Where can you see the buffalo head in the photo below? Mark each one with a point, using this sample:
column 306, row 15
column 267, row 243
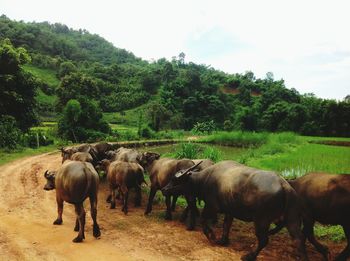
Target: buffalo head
column 67, row 153
column 50, row 180
column 178, row 182
column 146, row 158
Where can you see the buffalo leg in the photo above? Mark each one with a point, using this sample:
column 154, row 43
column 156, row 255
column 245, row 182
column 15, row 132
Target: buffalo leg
column 93, row 209
column 226, row 230
column 308, row 231
column 293, row 227
column 76, row 227
column 125, row 193
column 138, row 196
column 112, row 198
column 208, row 232
column 152, row 193
column 108, row 199
column 59, row 221
column 261, row 232
column 173, row 204
column 191, row 206
column 80, row 212
column 346, row 252
column 184, row 214
column 168, row 208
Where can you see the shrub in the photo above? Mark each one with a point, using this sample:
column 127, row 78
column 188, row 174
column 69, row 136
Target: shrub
column 146, row 132
column 187, row 150
column 204, row 127
column 212, row 153
column 34, row 139
column 9, row 132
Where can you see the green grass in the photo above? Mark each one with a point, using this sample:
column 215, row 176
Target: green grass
column 307, row 157
column 236, row 138
column 41, row 97
column 6, row 157
column 46, row 75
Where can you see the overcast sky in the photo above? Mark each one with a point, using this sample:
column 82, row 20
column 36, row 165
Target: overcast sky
column 307, row 43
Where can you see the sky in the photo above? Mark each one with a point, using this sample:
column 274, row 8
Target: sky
column 306, row 43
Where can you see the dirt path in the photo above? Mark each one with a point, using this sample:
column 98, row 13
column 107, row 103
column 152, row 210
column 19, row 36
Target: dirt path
column 27, row 233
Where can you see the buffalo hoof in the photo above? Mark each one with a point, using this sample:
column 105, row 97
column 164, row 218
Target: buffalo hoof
column 248, row 257
column 190, row 228
column 211, row 237
column 168, row 216
column 125, row 210
column 222, row 242
column 147, row 212
column 58, row 222
column 78, row 239
column 96, row 231
column 112, row 206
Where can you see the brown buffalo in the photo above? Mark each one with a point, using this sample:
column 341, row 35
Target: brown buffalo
column 244, row 193
column 74, row 182
column 160, row 172
column 67, row 152
column 124, row 154
column 82, row 156
column 326, row 199
column 124, row 176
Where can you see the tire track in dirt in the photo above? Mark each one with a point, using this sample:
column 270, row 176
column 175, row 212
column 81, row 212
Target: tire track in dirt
column 27, row 233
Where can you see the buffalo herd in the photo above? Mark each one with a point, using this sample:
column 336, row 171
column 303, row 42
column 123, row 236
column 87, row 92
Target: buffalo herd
column 227, row 187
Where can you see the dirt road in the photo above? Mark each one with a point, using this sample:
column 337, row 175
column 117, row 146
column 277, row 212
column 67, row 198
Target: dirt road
column 27, row 233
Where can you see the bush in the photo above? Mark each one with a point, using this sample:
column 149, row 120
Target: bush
column 212, row 153
column 9, row 132
column 187, row 150
column 146, row 132
column 34, row 138
column 204, row 127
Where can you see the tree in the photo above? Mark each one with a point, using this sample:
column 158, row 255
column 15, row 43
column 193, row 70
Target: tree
column 82, row 121
column 66, row 68
column 77, row 86
column 17, row 88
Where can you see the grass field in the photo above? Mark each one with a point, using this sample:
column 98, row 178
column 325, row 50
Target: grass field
column 46, row 75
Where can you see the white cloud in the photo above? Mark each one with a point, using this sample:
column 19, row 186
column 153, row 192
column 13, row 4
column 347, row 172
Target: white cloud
column 304, row 42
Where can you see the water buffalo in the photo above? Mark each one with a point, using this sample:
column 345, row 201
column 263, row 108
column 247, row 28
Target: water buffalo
column 201, row 164
column 325, row 199
column 82, row 156
column 99, row 151
column 67, row 153
column 241, row 192
column 124, row 176
column 74, row 182
column 160, row 172
column 204, row 163
column 124, row 154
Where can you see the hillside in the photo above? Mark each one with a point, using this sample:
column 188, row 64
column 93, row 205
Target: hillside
column 75, row 64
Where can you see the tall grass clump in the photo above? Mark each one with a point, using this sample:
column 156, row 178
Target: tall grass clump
column 211, row 153
column 187, row 150
column 237, row 139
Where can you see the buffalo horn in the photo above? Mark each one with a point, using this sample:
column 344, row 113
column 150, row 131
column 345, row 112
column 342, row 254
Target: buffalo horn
column 179, row 174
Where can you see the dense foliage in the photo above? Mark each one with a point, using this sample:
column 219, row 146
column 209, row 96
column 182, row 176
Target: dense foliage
column 173, row 94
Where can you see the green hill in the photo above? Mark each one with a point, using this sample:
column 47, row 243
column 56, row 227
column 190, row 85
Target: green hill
column 75, row 64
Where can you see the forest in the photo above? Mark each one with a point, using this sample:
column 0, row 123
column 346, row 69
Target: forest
column 51, row 73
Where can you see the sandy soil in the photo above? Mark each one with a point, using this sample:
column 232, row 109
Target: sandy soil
column 27, row 233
